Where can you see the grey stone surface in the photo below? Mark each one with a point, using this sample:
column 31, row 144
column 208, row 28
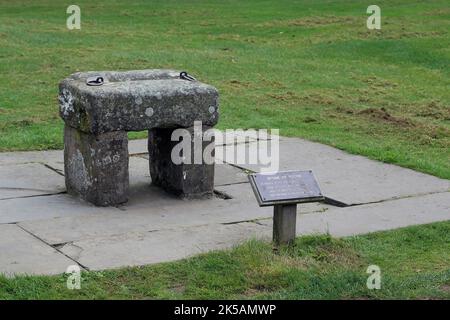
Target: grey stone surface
column 225, row 174
column 193, row 178
column 151, row 209
column 136, row 100
column 23, row 157
column 138, row 146
column 47, row 207
column 29, row 179
column 22, row 253
column 96, row 166
column 381, row 216
column 136, row 248
column 133, row 245
column 151, row 247
column 139, row 174
column 242, row 194
column 155, row 226
column 350, row 179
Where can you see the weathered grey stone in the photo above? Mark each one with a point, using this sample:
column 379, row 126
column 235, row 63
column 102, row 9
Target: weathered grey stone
column 22, row 253
column 98, row 116
column 28, row 179
column 151, row 247
column 375, row 217
column 136, row 100
column 347, row 178
column 138, row 146
column 20, row 157
column 226, row 174
column 47, row 207
column 188, row 179
column 96, row 166
column 132, row 233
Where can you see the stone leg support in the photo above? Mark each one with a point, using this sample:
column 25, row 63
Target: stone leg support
column 96, row 166
column 284, row 223
column 192, row 179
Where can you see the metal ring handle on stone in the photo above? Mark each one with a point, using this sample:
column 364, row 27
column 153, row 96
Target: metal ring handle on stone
column 185, row 76
column 95, row 81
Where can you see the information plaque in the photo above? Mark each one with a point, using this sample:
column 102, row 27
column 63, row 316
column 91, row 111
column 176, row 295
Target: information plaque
column 285, row 187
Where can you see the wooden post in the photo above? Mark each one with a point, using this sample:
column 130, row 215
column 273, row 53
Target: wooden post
column 284, row 223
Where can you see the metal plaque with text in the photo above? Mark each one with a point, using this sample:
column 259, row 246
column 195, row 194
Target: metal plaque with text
column 285, row 187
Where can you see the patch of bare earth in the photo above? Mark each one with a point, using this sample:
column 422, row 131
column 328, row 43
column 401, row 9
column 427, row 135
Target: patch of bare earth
column 311, row 21
column 445, row 288
column 435, row 110
column 381, row 114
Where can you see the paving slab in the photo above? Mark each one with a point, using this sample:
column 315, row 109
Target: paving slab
column 151, row 246
column 152, row 210
column 134, row 249
column 20, row 157
column 155, row 226
column 140, row 146
column 347, row 178
column 22, row 253
column 46, row 207
column 139, row 218
column 225, row 174
column 29, row 179
column 137, row 248
column 137, row 146
column 139, row 173
column 377, row 217
column 242, row 196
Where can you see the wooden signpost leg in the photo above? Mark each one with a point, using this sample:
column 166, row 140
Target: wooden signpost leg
column 284, row 222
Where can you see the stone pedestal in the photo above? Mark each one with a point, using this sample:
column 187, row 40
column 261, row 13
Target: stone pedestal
column 96, row 166
column 97, row 119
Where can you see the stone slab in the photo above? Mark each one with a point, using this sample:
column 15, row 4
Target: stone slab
column 108, row 230
column 29, row 179
column 224, row 174
column 347, row 178
column 152, row 209
column 140, row 219
column 21, row 253
column 243, row 195
column 137, row 146
column 135, row 249
column 139, row 174
column 46, row 207
column 378, row 216
column 136, row 100
column 21, row 157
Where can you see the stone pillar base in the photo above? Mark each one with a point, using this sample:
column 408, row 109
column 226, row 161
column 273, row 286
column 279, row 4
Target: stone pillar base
column 185, row 180
column 96, row 166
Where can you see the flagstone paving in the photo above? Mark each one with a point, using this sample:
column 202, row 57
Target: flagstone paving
column 43, row 230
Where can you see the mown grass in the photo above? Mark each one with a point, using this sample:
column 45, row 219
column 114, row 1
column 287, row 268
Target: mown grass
column 414, row 263
column 310, row 68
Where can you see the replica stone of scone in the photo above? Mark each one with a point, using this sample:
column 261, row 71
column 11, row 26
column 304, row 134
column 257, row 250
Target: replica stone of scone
column 136, row 100
column 98, row 109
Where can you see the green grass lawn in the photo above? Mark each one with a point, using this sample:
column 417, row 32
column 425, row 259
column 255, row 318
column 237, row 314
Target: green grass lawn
column 414, row 263
column 310, row 68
